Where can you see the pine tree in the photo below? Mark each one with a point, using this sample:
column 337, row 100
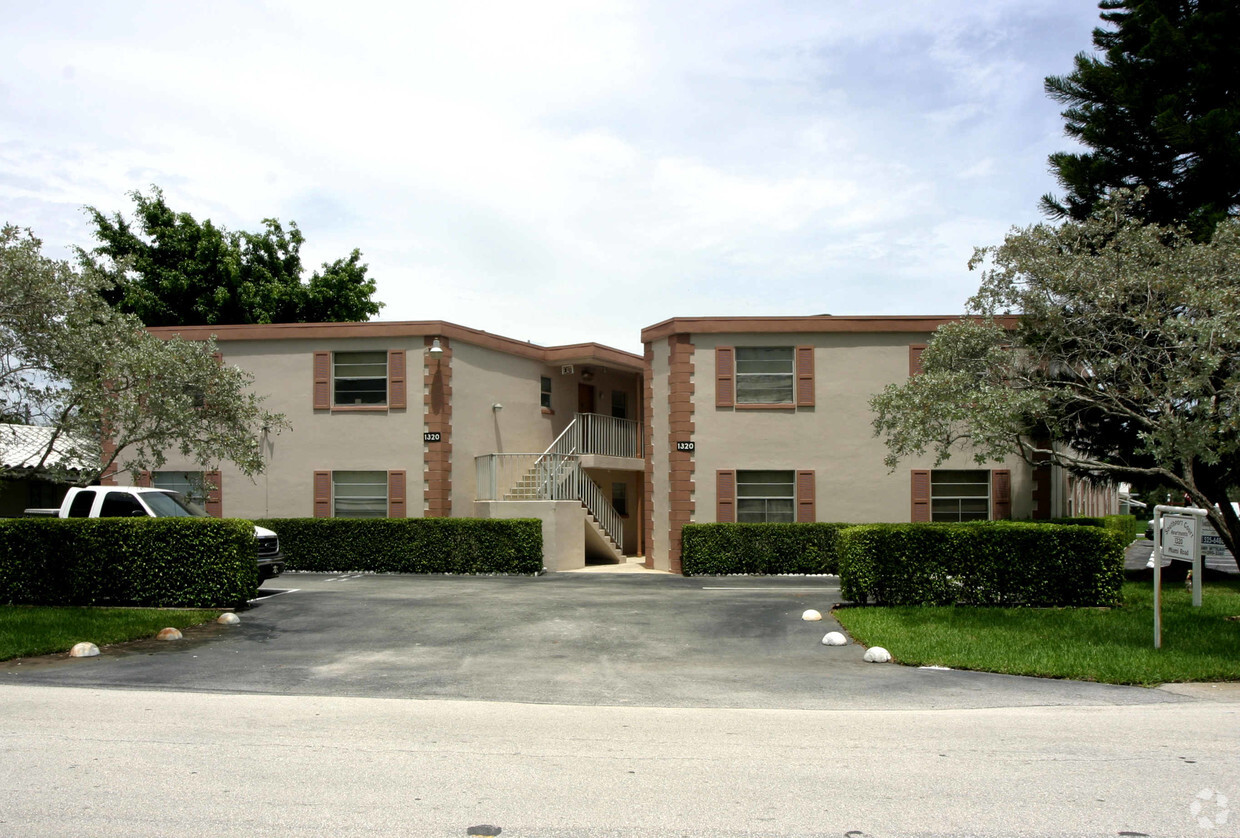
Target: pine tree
column 1158, row 107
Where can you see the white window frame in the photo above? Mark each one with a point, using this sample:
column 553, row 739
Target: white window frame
column 751, row 383
column 747, row 499
column 945, row 495
column 343, row 361
column 345, row 486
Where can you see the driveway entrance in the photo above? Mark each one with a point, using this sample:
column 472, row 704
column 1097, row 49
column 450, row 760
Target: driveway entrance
column 584, row 639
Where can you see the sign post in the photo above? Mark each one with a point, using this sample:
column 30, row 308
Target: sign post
column 1175, row 535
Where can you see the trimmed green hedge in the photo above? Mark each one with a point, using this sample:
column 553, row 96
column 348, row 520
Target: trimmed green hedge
column 410, row 545
column 152, row 562
column 1126, row 525
column 999, row 563
column 720, row 549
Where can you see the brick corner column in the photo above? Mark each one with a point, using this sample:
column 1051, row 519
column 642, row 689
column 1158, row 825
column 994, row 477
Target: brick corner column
column 437, row 456
column 680, row 427
column 647, row 547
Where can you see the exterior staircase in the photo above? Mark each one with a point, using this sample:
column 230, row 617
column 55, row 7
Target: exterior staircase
column 557, row 474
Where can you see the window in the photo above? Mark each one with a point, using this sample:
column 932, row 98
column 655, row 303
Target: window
column 82, row 502
column 359, row 494
column 545, row 392
column 191, row 484
column 360, row 378
column 765, row 375
column 619, row 404
column 620, row 498
column 959, row 495
column 765, row 497
column 120, row 505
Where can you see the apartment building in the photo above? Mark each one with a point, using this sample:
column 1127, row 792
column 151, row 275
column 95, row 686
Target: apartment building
column 723, row 419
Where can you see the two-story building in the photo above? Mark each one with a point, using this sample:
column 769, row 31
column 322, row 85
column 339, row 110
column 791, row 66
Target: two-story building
column 723, row 419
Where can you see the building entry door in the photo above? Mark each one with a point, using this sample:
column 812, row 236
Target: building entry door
column 585, row 398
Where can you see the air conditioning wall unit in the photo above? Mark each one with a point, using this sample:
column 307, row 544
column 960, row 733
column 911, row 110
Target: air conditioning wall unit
column 567, row 369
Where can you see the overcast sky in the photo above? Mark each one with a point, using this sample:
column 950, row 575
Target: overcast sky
column 558, row 171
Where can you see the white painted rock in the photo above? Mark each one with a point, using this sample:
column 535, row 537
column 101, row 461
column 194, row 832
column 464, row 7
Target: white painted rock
column 811, row 616
column 168, row 634
column 228, row 619
column 84, row 650
column 877, row 654
column 834, row 638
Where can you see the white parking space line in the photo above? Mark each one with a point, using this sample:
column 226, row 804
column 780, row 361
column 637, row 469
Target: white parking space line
column 343, row 578
column 276, row 593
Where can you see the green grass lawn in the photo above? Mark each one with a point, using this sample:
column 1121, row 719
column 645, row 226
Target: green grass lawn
column 1110, row 645
column 32, row 630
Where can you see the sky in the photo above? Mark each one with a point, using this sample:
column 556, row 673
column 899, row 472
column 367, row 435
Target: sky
column 558, row 172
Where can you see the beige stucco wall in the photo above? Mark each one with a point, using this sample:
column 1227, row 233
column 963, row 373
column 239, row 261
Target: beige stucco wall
column 319, row 440
column 834, row 437
column 563, row 528
column 659, row 459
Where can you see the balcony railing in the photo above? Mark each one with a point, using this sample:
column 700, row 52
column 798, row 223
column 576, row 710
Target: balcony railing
column 608, row 436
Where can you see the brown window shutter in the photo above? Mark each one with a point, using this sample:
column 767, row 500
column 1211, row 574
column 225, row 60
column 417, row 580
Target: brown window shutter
column 144, row 478
column 396, row 494
column 725, row 376
column 396, row 379
column 921, row 496
column 322, row 494
column 219, row 357
column 215, row 494
column 725, row 497
column 914, row 359
column 805, row 376
column 322, row 380
column 1001, row 494
column 805, row 498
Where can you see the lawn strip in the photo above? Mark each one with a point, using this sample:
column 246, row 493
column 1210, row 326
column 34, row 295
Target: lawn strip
column 26, row 631
column 1113, row 645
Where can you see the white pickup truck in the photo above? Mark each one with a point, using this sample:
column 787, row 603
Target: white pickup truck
column 144, row 502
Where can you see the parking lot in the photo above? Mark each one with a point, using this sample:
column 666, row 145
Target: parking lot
column 583, row 639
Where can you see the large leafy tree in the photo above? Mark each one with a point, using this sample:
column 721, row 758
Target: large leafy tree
column 1125, row 351
column 182, row 272
column 1157, row 107
column 113, row 395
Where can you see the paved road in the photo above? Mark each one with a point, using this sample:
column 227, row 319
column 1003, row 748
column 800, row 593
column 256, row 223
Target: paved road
column 128, row 764
column 655, row 641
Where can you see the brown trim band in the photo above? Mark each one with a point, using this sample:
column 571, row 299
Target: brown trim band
column 806, row 325
column 595, row 353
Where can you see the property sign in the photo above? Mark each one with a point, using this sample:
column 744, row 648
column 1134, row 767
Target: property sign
column 1179, row 537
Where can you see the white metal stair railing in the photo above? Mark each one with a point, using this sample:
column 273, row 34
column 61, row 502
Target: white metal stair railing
column 556, row 474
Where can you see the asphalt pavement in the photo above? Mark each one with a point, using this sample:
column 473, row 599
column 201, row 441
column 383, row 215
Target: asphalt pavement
column 571, row 639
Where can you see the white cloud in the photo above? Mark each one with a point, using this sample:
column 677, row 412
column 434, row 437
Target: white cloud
column 558, row 171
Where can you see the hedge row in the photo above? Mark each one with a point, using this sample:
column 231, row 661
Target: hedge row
column 720, row 549
column 1125, row 525
column 998, row 563
column 410, row 545
column 152, row 562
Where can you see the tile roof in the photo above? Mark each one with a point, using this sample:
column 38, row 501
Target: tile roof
column 22, row 446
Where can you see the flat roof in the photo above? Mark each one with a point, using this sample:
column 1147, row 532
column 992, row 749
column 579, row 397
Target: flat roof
column 806, row 324
column 571, row 353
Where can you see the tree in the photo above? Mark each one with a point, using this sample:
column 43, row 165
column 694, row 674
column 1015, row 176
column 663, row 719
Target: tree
column 182, row 272
column 114, row 395
column 1126, row 353
column 1159, row 109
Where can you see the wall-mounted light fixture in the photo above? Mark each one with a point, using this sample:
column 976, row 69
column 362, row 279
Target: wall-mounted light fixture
column 497, row 406
column 436, row 350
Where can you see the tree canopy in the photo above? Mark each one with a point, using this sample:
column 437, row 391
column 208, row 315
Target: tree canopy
column 182, row 272
column 114, row 395
column 1159, row 108
column 1126, row 353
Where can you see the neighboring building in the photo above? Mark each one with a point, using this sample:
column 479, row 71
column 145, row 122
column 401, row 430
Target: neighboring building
column 37, row 462
column 724, row 419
